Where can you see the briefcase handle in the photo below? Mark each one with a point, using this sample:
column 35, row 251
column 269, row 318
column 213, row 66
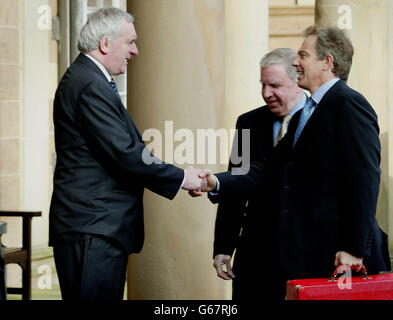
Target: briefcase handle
column 335, row 273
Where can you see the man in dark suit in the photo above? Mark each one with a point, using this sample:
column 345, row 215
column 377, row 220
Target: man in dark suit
column 326, row 168
column 96, row 212
column 267, row 126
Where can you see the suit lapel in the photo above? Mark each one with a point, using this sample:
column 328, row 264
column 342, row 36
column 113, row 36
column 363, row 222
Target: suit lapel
column 292, row 127
column 266, row 129
column 86, row 62
column 319, row 116
column 263, row 138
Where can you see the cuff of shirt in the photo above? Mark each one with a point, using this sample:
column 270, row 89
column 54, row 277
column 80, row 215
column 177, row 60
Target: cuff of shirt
column 215, row 191
column 184, row 180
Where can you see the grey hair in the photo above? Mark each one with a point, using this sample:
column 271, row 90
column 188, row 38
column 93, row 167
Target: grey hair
column 105, row 22
column 284, row 56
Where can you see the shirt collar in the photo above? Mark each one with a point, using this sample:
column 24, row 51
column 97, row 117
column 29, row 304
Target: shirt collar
column 101, row 66
column 318, row 95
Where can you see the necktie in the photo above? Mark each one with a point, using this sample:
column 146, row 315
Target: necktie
column 284, row 128
column 114, row 87
column 306, row 112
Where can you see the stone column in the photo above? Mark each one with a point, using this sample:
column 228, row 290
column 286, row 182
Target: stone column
column 246, row 42
column 78, row 12
column 28, row 79
column 194, row 55
column 39, row 75
column 367, row 23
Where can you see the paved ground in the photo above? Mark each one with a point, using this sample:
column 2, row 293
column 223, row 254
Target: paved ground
column 45, row 285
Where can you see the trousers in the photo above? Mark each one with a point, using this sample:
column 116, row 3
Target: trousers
column 91, row 269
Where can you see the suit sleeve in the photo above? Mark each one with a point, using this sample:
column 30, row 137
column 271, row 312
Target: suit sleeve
column 259, row 175
column 105, row 129
column 359, row 174
column 229, row 214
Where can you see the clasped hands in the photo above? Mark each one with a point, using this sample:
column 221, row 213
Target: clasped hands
column 198, row 181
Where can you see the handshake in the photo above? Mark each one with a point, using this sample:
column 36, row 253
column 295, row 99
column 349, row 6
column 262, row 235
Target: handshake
column 198, row 181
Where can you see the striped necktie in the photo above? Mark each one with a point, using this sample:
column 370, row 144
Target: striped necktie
column 305, row 115
column 284, row 128
column 114, row 87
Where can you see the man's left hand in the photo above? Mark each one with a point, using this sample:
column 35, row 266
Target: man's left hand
column 345, row 258
column 209, row 183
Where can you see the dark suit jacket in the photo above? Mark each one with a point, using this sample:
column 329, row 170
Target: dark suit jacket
column 328, row 187
column 234, row 215
column 100, row 174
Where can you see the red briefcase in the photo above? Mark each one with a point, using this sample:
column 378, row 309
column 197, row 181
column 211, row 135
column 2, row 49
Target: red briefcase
column 345, row 287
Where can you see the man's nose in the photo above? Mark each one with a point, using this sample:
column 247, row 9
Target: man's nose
column 134, row 50
column 267, row 92
column 295, row 62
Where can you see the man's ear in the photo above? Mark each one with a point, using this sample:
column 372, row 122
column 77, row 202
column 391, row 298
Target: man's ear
column 104, row 45
column 329, row 62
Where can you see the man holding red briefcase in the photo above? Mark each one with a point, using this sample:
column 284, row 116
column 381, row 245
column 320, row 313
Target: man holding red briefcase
column 326, row 171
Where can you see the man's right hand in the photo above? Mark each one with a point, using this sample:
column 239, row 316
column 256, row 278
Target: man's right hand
column 209, row 183
column 219, row 261
column 345, row 258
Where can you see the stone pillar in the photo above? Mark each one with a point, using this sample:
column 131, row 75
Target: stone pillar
column 367, row 23
column 28, row 79
column 78, row 12
column 39, row 54
column 246, row 42
column 193, row 55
